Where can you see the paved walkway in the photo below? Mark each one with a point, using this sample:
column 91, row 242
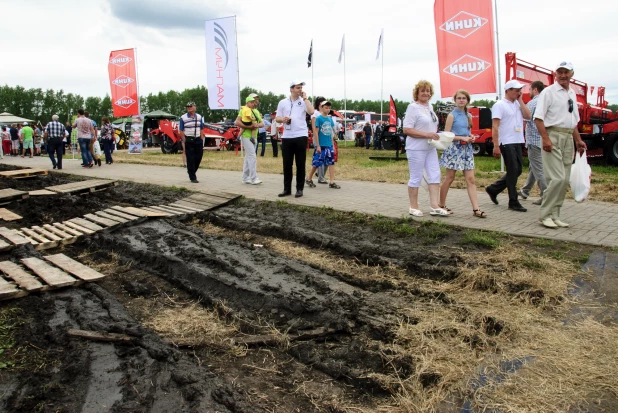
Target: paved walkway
column 591, row 222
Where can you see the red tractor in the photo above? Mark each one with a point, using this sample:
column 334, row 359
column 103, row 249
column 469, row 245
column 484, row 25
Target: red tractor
column 217, row 137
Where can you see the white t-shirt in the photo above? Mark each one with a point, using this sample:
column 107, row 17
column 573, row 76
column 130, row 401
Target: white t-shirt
column 297, row 110
column 419, row 117
column 553, row 107
column 511, row 129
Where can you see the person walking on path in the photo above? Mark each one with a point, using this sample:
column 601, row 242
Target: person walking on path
column 321, row 169
column 107, row 138
column 274, row 137
column 85, row 131
column 6, row 142
column 94, row 136
column 420, row 125
column 27, row 138
column 191, row 130
column 508, row 117
column 556, row 117
column 459, row 156
column 54, row 135
column 377, row 136
column 14, row 140
column 249, row 120
column 324, row 135
column 367, row 131
column 533, row 144
column 292, row 113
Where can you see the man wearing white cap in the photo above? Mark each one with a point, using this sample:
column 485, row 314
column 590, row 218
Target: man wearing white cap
column 292, row 113
column 508, row 117
column 556, row 117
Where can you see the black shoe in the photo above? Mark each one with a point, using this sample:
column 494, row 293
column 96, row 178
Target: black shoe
column 492, row 196
column 195, row 181
column 517, row 207
column 285, row 193
column 299, row 193
column 54, row 166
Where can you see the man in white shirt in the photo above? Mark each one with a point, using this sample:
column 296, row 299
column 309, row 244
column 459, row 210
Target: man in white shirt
column 292, row 113
column 556, row 117
column 508, row 117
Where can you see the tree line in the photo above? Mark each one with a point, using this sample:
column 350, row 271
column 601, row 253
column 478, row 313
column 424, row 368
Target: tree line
column 40, row 105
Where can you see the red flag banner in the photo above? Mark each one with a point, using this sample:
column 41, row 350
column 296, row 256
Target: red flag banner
column 465, row 39
column 392, row 118
column 123, row 82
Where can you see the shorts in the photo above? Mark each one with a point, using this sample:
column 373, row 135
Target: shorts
column 28, row 144
column 327, row 157
column 15, row 144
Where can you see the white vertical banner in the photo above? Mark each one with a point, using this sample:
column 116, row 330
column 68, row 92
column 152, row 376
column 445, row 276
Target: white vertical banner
column 222, row 64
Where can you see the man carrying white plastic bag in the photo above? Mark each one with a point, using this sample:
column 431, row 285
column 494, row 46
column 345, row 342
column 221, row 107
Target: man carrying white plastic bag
column 580, row 178
column 556, row 117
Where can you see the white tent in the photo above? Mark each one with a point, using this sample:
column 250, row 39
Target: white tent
column 6, row 118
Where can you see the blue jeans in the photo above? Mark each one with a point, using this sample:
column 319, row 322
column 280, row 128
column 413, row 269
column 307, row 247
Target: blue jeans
column 261, row 138
column 84, row 148
column 108, row 147
column 54, row 147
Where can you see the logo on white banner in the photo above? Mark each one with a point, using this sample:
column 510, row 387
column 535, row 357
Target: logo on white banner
column 124, row 102
column 120, row 60
column 123, row 81
column 463, row 24
column 467, row 67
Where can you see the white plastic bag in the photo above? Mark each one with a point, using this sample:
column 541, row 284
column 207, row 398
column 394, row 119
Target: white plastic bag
column 446, row 138
column 580, row 178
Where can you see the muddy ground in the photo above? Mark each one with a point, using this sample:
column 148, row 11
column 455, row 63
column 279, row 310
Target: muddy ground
column 288, row 334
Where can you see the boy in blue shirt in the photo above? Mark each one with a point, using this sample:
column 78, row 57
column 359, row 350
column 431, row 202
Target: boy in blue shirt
column 323, row 155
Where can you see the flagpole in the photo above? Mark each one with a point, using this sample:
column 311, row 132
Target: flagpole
column 242, row 147
column 382, row 86
column 499, row 65
column 345, row 98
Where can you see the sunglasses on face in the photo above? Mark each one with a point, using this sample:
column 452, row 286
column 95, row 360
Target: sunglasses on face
column 570, row 105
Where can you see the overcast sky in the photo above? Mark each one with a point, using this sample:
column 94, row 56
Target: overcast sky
column 66, row 44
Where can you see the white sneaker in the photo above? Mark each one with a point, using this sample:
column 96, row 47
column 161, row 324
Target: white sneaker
column 549, row 223
column 560, row 223
column 256, row 182
column 246, row 182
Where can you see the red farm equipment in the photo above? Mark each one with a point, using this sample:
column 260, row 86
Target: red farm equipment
column 217, row 137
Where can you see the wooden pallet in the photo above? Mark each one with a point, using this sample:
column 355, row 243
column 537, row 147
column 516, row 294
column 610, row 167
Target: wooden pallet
column 23, row 173
column 91, row 185
column 56, row 271
column 8, row 195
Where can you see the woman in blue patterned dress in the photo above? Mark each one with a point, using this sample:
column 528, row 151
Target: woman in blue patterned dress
column 458, row 156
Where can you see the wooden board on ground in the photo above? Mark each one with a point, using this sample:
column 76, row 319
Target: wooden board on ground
column 200, row 203
column 212, row 199
column 5, row 245
column 68, row 229
column 13, row 237
column 22, row 278
column 73, row 267
column 111, row 217
column 90, row 185
column 67, row 237
column 195, row 207
column 47, row 234
column 141, row 212
column 166, row 208
column 23, row 173
column 154, row 210
column 181, row 208
column 77, row 227
column 40, row 192
column 51, row 275
column 220, row 194
column 7, row 215
column 7, row 195
column 9, row 290
column 106, row 223
column 129, row 217
column 43, row 242
column 86, row 224
column 29, row 239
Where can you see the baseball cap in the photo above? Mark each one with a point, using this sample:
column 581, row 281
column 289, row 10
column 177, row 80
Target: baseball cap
column 566, row 65
column 190, row 104
column 325, row 103
column 295, row 82
column 254, row 95
column 25, row 123
column 249, row 99
column 513, row 84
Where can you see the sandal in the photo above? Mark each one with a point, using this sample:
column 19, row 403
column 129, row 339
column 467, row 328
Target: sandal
column 478, row 213
column 334, row 186
column 310, row 183
column 447, row 209
column 438, row 211
column 416, row 212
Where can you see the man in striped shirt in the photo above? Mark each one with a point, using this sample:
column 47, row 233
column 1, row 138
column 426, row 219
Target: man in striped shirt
column 192, row 134
column 54, row 134
column 533, row 144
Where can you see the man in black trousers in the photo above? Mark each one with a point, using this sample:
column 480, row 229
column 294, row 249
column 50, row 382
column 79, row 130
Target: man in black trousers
column 292, row 113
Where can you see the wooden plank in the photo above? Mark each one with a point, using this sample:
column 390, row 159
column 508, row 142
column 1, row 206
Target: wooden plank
column 30, row 240
column 89, row 186
column 142, row 212
column 12, row 194
column 40, row 192
column 155, row 210
column 47, row 234
column 7, row 215
column 5, row 245
column 86, row 224
column 177, row 211
column 51, row 275
column 100, row 336
column 124, row 215
column 14, row 238
column 74, row 267
column 22, row 173
column 66, row 237
column 106, row 223
column 78, row 227
column 111, row 217
column 9, row 290
column 205, row 204
column 22, row 278
column 195, row 207
column 69, row 229
column 181, row 208
column 220, row 194
column 35, row 236
column 208, row 198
